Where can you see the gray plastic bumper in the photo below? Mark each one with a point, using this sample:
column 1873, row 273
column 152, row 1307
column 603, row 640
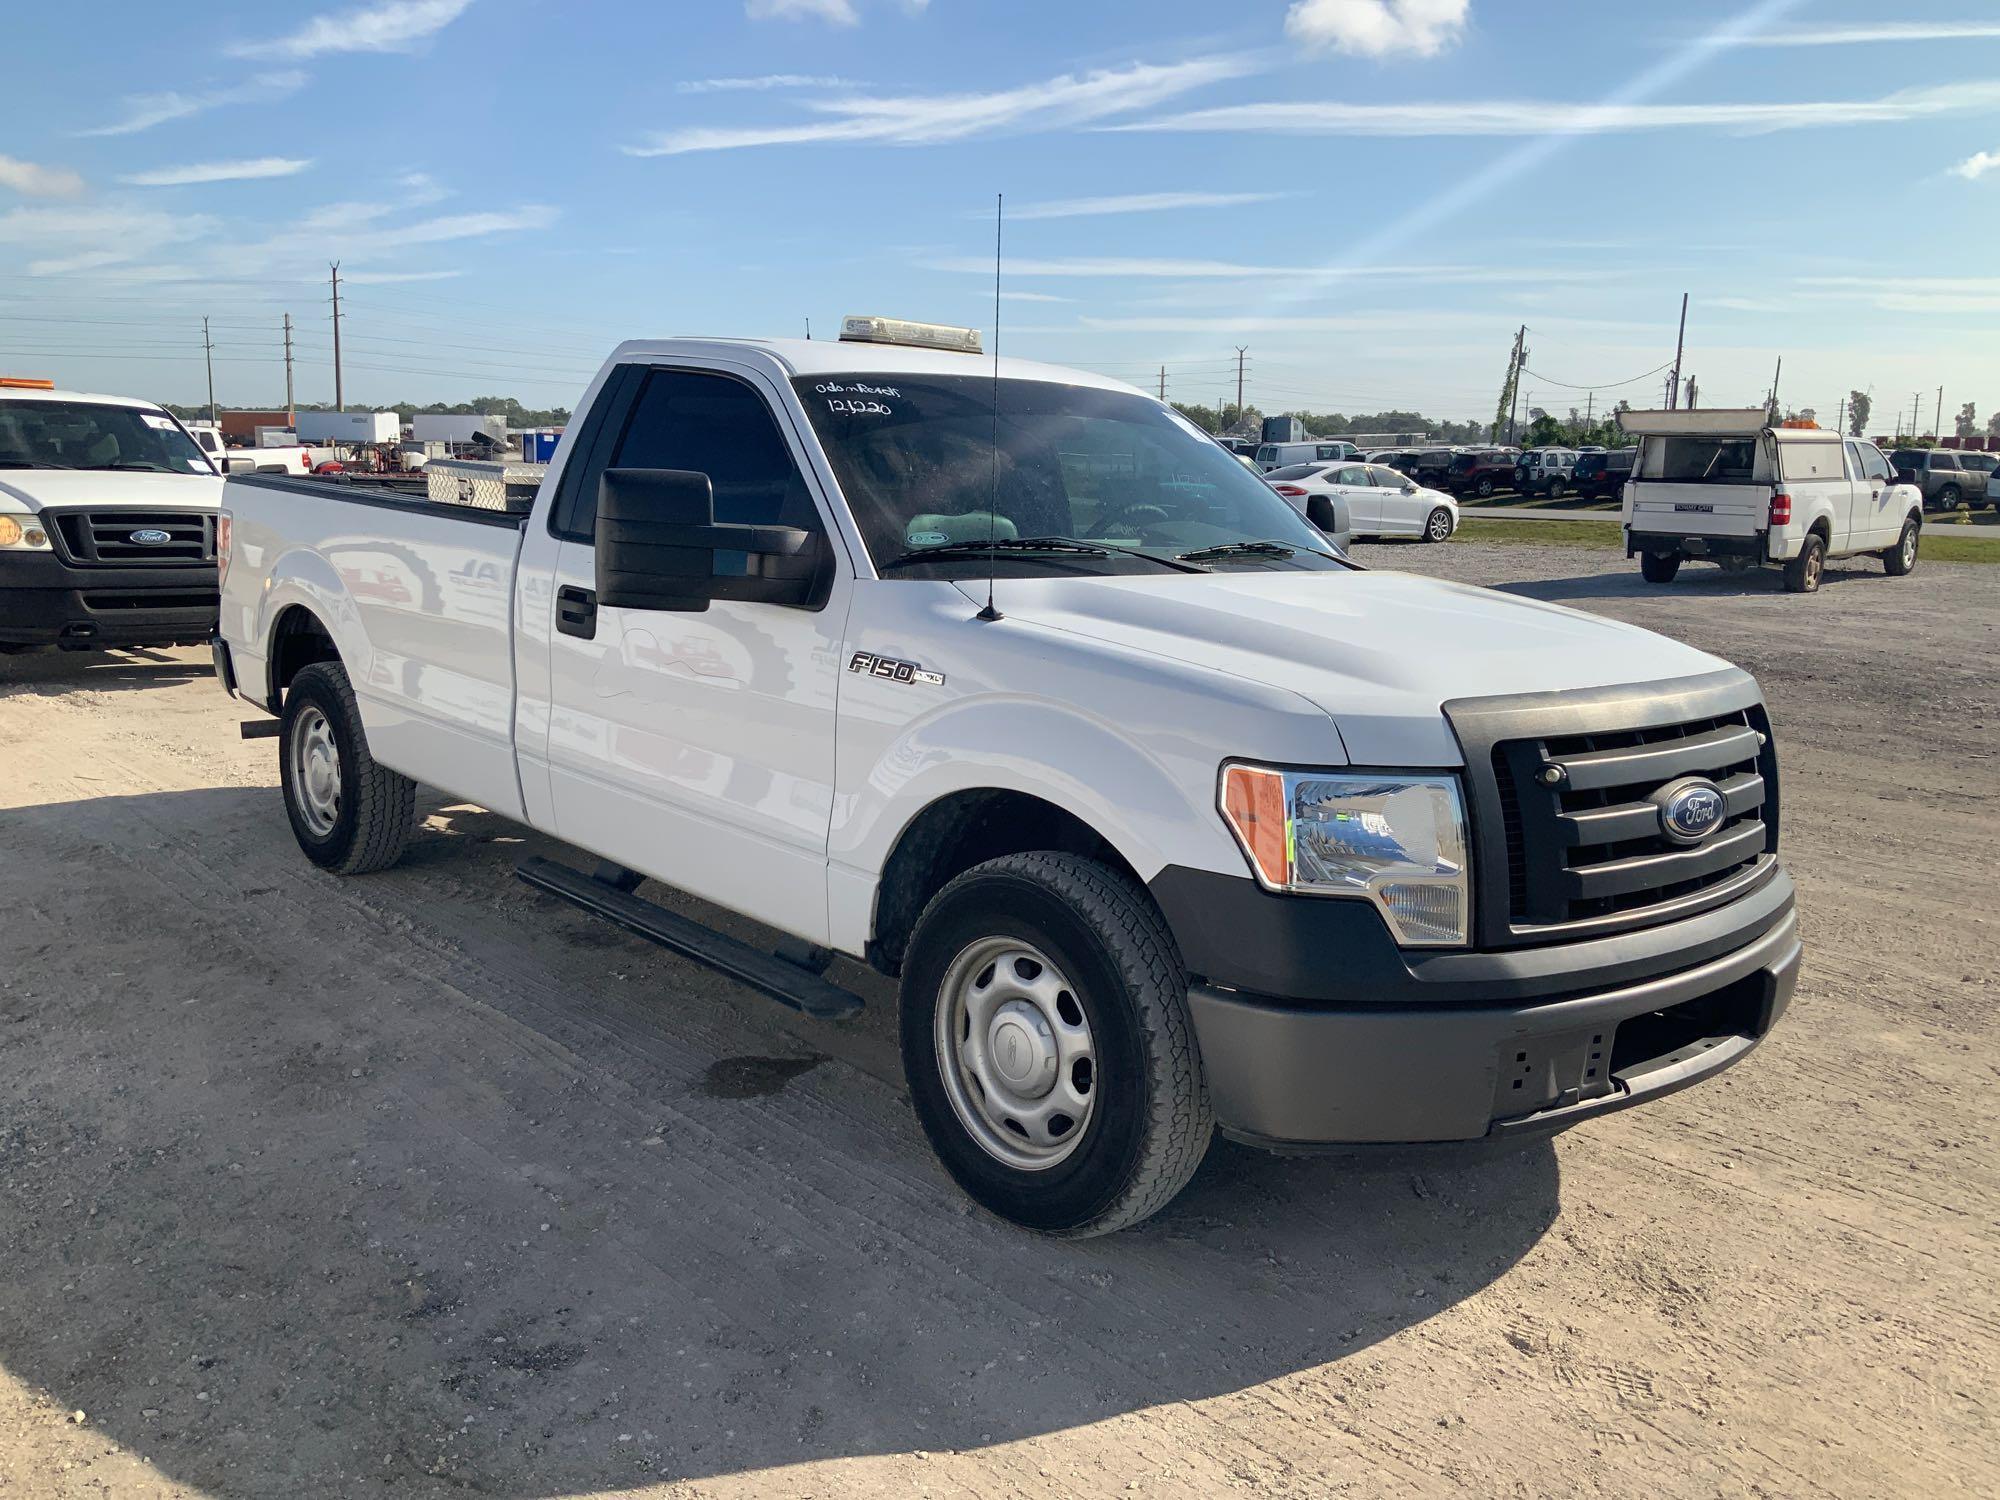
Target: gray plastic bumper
column 1288, row 1077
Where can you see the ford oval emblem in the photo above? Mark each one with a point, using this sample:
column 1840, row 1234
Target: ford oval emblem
column 1690, row 810
column 152, row 536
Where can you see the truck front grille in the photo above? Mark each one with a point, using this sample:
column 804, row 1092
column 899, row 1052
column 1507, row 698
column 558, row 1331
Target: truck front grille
column 1566, row 800
column 1592, row 846
column 104, row 539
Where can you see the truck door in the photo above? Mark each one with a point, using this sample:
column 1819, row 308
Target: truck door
column 698, row 747
column 1874, row 496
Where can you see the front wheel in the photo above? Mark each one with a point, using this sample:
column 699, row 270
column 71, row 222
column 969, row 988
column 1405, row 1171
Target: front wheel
column 1901, row 559
column 1048, row 1046
column 1803, row 573
column 1438, row 527
column 1659, row 567
column 350, row 815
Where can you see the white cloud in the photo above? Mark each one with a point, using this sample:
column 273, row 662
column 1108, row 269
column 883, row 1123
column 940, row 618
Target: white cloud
column 393, row 26
column 1129, row 266
column 92, row 238
column 1909, row 294
column 1032, row 297
column 1876, row 34
column 218, row 171
column 1535, row 117
column 1378, row 28
column 389, row 278
column 763, row 84
column 420, row 189
column 1978, row 165
column 144, row 111
column 1134, row 203
column 927, row 119
column 33, row 180
column 839, row 12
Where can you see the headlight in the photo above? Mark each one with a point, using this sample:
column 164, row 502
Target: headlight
column 1391, row 837
column 22, row 531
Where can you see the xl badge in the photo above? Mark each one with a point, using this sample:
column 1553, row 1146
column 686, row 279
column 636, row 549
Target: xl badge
column 895, row 671
column 1690, row 810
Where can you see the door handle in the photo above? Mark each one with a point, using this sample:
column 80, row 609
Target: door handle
column 576, row 611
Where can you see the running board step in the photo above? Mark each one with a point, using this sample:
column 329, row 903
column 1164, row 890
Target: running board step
column 786, row 982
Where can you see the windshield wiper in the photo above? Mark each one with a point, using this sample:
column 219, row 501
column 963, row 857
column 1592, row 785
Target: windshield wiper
column 1241, row 549
column 30, row 463
column 1073, row 546
column 136, row 468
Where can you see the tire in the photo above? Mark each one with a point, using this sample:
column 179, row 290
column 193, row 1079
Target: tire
column 1900, row 560
column 1079, row 945
column 349, row 815
column 1484, row 489
column 1803, row 573
column 1437, row 526
column 1556, row 489
column 1950, row 496
column 1659, row 567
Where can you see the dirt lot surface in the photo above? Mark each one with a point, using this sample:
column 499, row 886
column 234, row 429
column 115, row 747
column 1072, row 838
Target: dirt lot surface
column 423, row 1184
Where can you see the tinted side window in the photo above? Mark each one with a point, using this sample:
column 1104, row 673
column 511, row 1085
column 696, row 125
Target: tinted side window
column 714, row 425
column 1873, row 464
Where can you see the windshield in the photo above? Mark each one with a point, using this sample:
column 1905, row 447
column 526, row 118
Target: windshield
column 918, row 462
column 91, row 435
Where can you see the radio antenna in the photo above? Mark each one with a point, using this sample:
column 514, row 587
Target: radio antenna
column 993, row 495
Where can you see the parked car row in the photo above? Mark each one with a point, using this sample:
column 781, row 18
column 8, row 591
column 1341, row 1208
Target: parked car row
column 1949, row 478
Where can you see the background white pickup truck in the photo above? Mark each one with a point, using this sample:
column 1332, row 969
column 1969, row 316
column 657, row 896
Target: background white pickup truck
column 1005, row 679
column 1730, row 487
column 107, row 523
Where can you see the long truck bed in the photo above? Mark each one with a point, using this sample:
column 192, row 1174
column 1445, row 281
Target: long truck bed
column 418, row 595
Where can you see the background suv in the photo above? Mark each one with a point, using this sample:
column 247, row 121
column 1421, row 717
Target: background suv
column 1939, row 473
column 1602, row 476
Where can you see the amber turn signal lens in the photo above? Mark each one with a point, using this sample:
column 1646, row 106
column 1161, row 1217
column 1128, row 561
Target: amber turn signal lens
column 1253, row 803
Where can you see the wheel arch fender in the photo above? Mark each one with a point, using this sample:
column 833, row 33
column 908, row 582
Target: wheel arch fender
column 930, row 781
column 303, row 585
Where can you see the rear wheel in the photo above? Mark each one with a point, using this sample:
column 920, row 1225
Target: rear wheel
column 349, row 815
column 1048, row 1047
column 1484, row 489
column 1901, row 559
column 1950, row 496
column 1659, row 567
column 1438, row 527
column 1556, row 489
column 1803, row 573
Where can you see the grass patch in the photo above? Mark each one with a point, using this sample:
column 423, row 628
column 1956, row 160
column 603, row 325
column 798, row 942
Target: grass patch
column 1956, row 544
column 1549, row 533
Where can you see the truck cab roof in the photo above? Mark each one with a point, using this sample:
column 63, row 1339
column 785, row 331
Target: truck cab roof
column 809, row 357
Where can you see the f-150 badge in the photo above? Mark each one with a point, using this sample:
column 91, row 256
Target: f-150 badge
column 895, row 671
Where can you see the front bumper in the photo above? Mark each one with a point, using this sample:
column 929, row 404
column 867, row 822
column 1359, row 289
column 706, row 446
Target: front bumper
column 44, row 601
column 1391, row 1047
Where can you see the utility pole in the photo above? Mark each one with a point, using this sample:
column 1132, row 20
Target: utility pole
column 208, row 353
column 1241, row 350
column 291, row 410
column 1694, row 392
column 1589, row 410
column 1514, row 395
column 339, row 392
column 1163, row 382
column 1940, row 415
column 1508, row 390
column 1680, row 348
column 1777, row 375
column 1840, row 421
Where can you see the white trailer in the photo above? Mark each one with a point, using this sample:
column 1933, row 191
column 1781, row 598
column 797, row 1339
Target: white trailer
column 349, row 427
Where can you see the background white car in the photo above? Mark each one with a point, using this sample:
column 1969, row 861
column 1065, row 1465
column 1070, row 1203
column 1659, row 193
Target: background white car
column 1380, row 502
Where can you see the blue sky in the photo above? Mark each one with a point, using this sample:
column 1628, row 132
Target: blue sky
column 1369, row 194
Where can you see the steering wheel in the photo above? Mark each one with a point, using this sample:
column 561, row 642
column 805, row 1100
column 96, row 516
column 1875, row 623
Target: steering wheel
column 1142, row 513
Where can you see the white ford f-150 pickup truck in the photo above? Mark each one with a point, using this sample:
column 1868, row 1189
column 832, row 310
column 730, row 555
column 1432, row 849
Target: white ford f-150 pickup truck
column 107, row 523
column 1006, row 680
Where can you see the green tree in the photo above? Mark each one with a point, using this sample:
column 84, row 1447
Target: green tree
column 1993, row 426
column 1968, row 421
column 1544, row 431
column 1859, row 405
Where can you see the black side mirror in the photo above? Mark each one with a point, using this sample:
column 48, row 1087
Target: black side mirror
column 657, row 541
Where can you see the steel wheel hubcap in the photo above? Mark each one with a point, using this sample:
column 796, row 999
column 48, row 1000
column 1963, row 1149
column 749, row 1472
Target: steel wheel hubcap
column 1015, row 1052
column 315, row 771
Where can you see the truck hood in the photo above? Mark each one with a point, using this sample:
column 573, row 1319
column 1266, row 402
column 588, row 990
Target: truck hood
column 107, row 489
column 1378, row 652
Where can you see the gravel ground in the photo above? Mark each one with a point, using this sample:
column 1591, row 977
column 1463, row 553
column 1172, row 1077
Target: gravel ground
column 425, row 1185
